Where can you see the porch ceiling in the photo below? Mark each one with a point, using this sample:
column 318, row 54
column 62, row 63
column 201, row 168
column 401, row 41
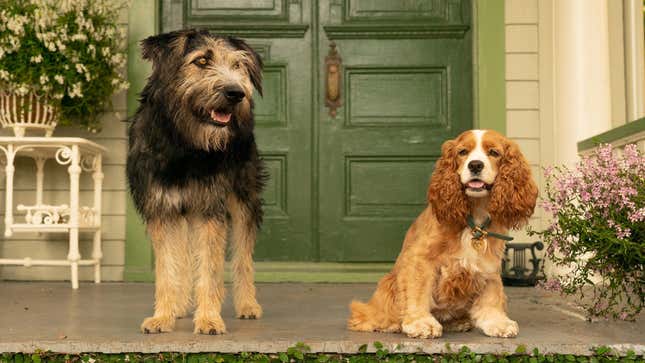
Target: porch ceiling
column 106, row 317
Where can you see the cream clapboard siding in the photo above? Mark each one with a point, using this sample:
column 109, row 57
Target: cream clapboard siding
column 523, row 117
column 113, row 137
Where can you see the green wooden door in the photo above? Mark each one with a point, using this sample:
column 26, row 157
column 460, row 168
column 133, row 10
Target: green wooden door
column 345, row 188
column 406, row 88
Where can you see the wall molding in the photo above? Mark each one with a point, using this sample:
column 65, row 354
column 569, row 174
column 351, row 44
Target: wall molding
column 395, row 31
column 139, row 259
column 490, row 65
column 258, row 30
column 628, row 133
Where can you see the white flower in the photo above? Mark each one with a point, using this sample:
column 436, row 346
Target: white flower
column 79, row 37
column 59, row 79
column 16, row 24
column 44, row 79
column 22, row 90
column 58, row 96
column 120, row 85
column 4, row 75
column 15, row 43
column 76, row 90
column 118, row 60
column 80, row 68
column 36, row 59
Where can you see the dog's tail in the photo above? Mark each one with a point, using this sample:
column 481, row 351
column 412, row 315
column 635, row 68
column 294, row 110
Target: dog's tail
column 379, row 314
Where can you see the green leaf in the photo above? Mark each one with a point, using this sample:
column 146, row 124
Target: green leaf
column 378, row 345
column 603, row 350
column 362, row 348
column 284, row 358
column 521, row 349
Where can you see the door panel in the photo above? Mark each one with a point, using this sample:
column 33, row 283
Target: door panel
column 410, row 98
column 403, row 95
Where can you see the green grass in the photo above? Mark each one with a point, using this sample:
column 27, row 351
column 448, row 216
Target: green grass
column 301, row 353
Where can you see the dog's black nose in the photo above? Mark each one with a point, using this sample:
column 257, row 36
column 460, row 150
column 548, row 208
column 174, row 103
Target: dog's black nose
column 475, row 166
column 234, row 94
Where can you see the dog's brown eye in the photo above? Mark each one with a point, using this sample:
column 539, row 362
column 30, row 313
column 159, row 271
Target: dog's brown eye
column 237, row 65
column 463, row 152
column 493, row 153
column 201, row 61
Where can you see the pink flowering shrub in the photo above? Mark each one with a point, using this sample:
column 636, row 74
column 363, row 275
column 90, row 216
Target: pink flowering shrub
column 598, row 231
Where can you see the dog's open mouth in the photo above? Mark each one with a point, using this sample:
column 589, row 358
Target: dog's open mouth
column 477, row 185
column 220, row 117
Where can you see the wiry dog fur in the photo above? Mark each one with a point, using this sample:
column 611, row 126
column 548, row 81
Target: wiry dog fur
column 194, row 172
column 440, row 281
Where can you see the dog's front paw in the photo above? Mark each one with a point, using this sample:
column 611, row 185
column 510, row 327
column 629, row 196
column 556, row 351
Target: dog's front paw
column 157, row 324
column 426, row 327
column 503, row 328
column 248, row 310
column 210, row 326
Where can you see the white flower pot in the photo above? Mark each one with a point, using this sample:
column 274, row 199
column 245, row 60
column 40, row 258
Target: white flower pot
column 28, row 112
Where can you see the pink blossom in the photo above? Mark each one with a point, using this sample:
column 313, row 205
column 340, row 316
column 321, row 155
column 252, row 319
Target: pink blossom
column 595, row 207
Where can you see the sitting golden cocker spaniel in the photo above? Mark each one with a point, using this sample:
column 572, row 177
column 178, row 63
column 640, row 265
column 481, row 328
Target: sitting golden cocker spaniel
column 447, row 275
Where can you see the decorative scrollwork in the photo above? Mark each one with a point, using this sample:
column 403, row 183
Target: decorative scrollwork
column 88, row 162
column 86, row 216
column 64, row 155
column 45, row 214
column 56, row 214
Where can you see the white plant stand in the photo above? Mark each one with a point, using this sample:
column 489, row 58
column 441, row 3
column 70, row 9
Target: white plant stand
column 80, row 155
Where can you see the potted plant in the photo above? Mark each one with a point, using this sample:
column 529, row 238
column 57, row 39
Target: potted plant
column 59, row 62
column 597, row 234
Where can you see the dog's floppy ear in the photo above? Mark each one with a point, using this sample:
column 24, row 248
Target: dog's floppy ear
column 445, row 192
column 254, row 66
column 154, row 47
column 514, row 193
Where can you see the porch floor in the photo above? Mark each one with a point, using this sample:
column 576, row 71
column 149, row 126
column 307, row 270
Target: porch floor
column 106, row 317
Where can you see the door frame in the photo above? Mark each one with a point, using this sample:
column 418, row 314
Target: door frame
column 489, row 97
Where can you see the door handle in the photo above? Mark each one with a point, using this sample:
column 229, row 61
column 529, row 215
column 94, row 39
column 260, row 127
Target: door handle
column 333, row 64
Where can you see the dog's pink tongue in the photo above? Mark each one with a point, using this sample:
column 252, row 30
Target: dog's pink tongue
column 221, row 117
column 475, row 184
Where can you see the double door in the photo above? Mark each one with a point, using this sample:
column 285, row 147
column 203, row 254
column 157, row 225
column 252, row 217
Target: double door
column 358, row 97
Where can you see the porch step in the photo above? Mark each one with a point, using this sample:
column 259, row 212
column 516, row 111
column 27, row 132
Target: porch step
column 106, row 317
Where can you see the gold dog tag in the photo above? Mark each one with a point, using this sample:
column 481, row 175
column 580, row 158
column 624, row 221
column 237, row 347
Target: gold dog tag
column 479, row 243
